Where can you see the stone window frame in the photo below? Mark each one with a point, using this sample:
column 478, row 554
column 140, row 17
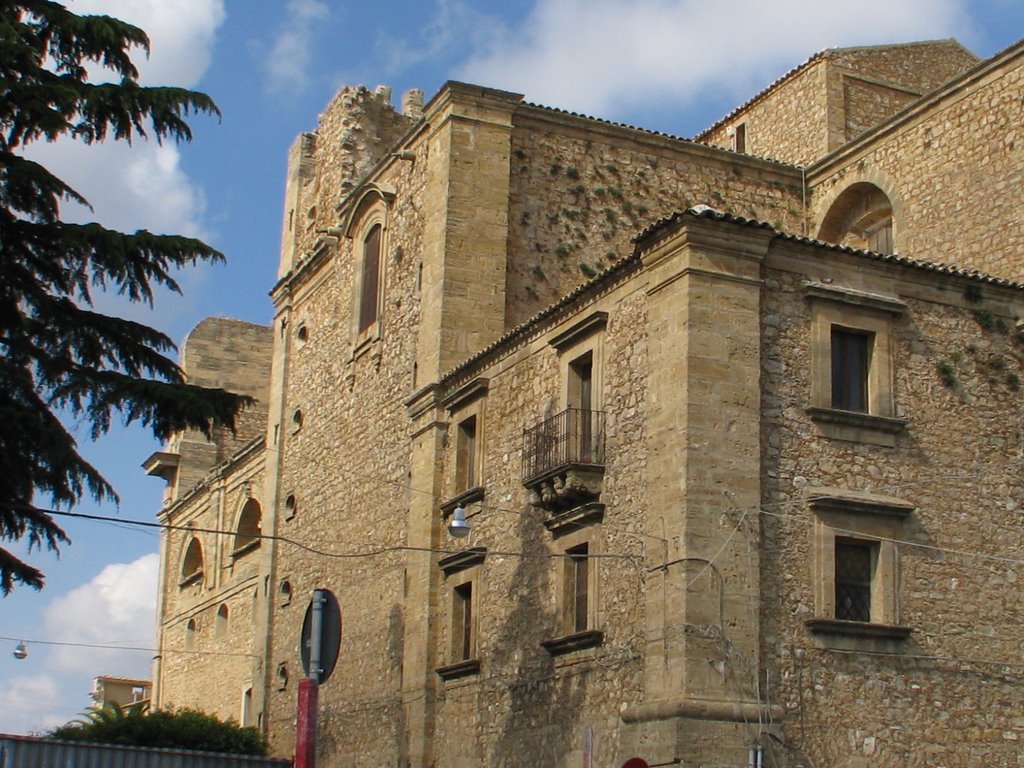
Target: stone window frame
column 572, row 345
column 584, row 531
column 461, row 569
column 845, row 516
column 874, row 316
column 368, row 207
column 465, row 403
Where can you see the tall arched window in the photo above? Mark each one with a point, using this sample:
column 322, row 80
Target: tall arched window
column 247, row 532
column 192, row 565
column 369, row 286
column 190, row 635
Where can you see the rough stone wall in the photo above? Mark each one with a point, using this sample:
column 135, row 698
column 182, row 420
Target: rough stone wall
column 837, row 95
column 788, row 123
column 226, row 354
column 951, row 694
column 525, row 707
column 354, row 529
column 579, row 196
column 353, row 134
column 919, row 67
column 213, row 672
column 346, row 467
column 949, row 170
column 866, row 104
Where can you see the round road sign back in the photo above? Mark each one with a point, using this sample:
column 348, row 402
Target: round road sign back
column 330, row 636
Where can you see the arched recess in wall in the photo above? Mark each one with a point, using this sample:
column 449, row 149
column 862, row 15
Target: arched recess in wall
column 221, row 624
column 248, row 529
column 192, row 562
column 190, row 635
column 861, row 216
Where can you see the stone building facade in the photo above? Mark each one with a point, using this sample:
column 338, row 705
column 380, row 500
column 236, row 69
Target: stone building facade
column 734, row 428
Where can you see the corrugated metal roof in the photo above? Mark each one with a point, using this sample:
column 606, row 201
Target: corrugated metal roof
column 29, row 752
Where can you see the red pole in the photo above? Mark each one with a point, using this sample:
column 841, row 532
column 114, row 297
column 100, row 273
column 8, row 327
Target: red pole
column 305, row 724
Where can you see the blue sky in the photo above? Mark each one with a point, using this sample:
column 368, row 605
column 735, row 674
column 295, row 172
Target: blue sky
column 272, row 65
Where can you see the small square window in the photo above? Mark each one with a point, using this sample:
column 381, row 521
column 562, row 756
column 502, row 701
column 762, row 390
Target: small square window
column 851, row 359
column 855, row 566
column 852, row 393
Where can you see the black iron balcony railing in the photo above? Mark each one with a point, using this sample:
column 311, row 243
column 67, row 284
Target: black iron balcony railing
column 574, row 436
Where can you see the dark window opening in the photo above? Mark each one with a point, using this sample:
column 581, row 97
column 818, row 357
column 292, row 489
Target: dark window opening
column 370, row 285
column 465, row 459
column 462, row 622
column 855, row 565
column 740, row 138
column 577, row 592
column 850, row 361
column 581, row 386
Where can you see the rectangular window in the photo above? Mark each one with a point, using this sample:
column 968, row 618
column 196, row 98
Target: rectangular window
column 462, row 622
column 581, row 408
column 855, row 567
column 370, row 285
column 577, row 597
column 465, row 459
column 851, row 352
column 740, row 138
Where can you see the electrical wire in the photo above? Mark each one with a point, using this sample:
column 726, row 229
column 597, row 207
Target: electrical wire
column 110, row 647
column 377, row 552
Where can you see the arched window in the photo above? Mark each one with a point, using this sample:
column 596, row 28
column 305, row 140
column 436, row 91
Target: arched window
column 247, row 532
column 221, row 626
column 364, row 222
column 192, row 565
column 190, row 635
column 369, row 286
column 861, row 217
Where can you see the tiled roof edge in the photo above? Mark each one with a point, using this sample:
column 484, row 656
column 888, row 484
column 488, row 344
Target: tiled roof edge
column 625, row 265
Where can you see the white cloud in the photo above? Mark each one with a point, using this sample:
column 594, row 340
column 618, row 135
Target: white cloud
column 456, row 25
column 288, row 61
column 142, row 186
column 605, row 56
column 32, row 704
column 181, row 35
column 116, row 608
column 129, row 187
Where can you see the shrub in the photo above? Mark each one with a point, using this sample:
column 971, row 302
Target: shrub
column 182, row 729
